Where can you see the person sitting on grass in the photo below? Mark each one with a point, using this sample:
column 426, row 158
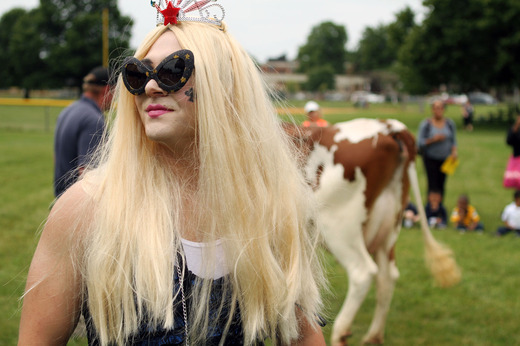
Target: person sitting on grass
column 435, row 211
column 465, row 217
column 410, row 215
column 511, row 217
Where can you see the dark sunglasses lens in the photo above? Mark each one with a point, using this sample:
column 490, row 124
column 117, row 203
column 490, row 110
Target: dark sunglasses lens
column 136, row 79
column 171, row 72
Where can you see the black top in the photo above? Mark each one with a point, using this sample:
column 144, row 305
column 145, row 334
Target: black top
column 148, row 336
column 513, row 139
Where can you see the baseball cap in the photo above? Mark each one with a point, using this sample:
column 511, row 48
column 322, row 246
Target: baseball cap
column 311, row 106
column 98, row 76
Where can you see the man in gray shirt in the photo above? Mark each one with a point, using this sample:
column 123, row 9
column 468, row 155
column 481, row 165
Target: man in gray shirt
column 79, row 129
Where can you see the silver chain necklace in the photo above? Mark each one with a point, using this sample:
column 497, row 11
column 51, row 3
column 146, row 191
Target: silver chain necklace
column 184, row 311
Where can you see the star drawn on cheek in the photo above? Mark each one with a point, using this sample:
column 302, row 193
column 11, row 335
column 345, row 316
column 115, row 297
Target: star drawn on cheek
column 190, row 94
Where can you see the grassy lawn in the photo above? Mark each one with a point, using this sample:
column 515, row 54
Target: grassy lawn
column 481, row 310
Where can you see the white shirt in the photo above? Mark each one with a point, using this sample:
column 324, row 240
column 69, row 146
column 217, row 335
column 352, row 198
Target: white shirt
column 197, row 253
column 511, row 215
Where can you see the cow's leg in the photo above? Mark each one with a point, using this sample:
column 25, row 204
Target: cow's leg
column 386, row 278
column 342, row 215
column 361, row 270
column 384, row 225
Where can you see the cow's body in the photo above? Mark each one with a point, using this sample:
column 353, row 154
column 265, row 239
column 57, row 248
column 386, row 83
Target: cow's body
column 360, row 172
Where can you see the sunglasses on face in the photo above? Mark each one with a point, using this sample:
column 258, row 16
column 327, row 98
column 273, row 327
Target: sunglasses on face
column 171, row 74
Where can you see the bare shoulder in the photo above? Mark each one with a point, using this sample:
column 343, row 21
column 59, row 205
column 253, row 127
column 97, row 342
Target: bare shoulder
column 70, row 212
column 52, row 299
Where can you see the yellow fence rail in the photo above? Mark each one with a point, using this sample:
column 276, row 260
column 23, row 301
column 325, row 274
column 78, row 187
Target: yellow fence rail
column 34, row 102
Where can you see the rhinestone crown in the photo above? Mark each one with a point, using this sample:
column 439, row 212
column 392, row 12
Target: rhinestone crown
column 204, row 11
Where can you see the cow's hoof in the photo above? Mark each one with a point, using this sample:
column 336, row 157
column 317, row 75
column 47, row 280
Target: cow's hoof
column 343, row 340
column 375, row 340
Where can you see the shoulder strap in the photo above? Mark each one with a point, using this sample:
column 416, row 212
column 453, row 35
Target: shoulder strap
column 450, row 125
column 427, row 128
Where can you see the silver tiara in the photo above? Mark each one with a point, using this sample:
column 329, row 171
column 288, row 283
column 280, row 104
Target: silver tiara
column 203, row 11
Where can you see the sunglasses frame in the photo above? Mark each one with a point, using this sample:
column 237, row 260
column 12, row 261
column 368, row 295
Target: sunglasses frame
column 152, row 73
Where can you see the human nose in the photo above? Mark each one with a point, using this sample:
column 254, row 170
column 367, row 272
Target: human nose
column 153, row 89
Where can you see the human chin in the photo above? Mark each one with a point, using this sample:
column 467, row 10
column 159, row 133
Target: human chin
column 157, row 129
column 170, row 131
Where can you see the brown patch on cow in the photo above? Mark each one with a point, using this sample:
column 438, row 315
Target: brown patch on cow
column 391, row 254
column 324, row 135
column 409, row 153
column 302, row 141
column 378, row 158
column 376, row 340
column 343, row 340
column 319, row 171
column 376, row 243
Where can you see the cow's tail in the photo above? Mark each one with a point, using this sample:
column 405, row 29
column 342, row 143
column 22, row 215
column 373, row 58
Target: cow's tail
column 439, row 258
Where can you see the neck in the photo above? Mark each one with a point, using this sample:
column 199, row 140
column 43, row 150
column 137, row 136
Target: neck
column 184, row 165
column 94, row 97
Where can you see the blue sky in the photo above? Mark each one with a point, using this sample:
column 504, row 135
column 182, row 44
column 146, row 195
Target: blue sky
column 270, row 28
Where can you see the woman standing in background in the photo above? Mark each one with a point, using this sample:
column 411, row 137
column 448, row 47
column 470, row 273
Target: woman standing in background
column 437, row 141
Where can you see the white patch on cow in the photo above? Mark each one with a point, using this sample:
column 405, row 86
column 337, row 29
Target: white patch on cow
column 342, row 203
column 342, row 214
column 319, row 156
column 335, row 192
column 360, row 129
column 396, row 125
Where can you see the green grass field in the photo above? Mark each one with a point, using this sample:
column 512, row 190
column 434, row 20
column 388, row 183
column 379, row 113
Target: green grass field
column 481, row 310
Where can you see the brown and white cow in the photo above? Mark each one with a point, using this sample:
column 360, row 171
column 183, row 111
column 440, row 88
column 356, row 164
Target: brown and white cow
column 361, row 171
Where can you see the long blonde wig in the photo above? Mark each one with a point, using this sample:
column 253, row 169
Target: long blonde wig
column 251, row 197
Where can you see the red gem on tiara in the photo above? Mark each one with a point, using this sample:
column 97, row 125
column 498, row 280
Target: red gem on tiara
column 170, row 13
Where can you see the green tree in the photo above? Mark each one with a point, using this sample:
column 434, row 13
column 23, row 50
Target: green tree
column 399, row 30
column 325, row 47
column 59, row 42
column 320, row 78
column 503, row 32
column 7, row 24
column 410, row 76
column 27, row 67
column 72, row 36
column 467, row 44
column 325, row 44
column 373, row 50
column 378, row 47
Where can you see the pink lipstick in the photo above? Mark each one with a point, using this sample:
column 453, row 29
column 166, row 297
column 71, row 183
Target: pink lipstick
column 156, row 110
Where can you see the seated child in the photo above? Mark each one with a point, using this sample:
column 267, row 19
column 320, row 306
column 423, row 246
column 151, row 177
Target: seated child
column 511, row 217
column 435, row 211
column 465, row 216
column 410, row 215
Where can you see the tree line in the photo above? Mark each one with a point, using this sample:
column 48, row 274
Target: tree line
column 465, row 44
column 58, row 43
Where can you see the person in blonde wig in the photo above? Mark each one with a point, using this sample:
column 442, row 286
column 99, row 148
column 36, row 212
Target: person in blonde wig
column 194, row 224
